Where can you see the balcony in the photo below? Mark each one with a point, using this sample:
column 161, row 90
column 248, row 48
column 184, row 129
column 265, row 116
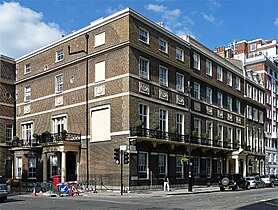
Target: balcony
column 51, row 138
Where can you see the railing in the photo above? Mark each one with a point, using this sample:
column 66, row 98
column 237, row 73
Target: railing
column 157, row 134
column 51, row 138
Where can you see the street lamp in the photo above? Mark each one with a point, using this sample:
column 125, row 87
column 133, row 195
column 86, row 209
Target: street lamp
column 87, row 99
column 189, row 138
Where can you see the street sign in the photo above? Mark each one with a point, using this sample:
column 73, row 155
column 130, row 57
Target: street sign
column 63, row 188
column 123, row 147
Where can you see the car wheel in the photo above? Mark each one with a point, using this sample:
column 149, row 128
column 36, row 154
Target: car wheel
column 222, row 189
column 256, row 186
column 263, row 185
column 272, row 184
column 247, row 187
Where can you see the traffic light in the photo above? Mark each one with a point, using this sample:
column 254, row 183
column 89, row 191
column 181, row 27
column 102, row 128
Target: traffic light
column 126, row 157
column 117, row 155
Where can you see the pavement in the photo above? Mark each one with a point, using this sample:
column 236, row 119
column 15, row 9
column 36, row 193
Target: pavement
column 135, row 193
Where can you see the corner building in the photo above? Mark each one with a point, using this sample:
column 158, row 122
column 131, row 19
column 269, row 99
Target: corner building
column 148, row 89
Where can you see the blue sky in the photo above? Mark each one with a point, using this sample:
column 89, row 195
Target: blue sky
column 29, row 24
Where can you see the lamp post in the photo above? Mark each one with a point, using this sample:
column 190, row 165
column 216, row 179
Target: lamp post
column 87, row 99
column 189, row 138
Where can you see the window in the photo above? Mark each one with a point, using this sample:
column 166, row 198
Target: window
column 99, row 39
column 249, row 112
column 163, row 76
column 238, row 107
column 144, row 68
column 209, row 95
column 27, row 68
column 19, row 167
column 144, row 115
column 253, row 47
column 163, row 118
column 196, row 59
column 229, row 103
column 180, row 82
column 238, row 135
column 9, row 133
column 59, row 124
column 196, row 90
column 32, row 166
column 27, row 131
column 237, row 83
column 27, row 93
column 220, row 131
column 219, row 73
column 144, row 35
column 143, row 165
column 180, row 123
column 59, row 55
column 197, row 126
column 100, row 71
column 101, row 124
column 53, row 165
column 179, row 54
column 261, row 117
column 229, row 134
column 59, row 83
column 179, row 167
column 163, row 46
column 255, row 94
column 162, row 165
column 255, row 114
column 196, row 166
column 219, row 100
column 209, row 129
column 208, row 67
column 249, row 90
column 208, row 166
column 229, row 79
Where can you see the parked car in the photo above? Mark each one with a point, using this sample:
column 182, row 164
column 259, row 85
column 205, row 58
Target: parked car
column 3, row 189
column 233, row 181
column 255, row 181
column 270, row 180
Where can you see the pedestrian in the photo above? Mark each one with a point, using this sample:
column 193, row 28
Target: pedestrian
column 166, row 183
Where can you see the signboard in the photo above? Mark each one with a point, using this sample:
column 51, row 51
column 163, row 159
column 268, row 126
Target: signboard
column 63, row 188
column 123, row 147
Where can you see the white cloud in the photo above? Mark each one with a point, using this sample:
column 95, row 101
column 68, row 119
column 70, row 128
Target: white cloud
column 276, row 22
column 210, row 18
column 213, row 4
column 156, row 8
column 110, row 10
column 23, row 30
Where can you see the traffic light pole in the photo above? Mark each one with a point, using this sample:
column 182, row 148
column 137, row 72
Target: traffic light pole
column 121, row 160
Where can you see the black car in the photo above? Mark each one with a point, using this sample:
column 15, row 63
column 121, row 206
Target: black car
column 233, row 181
column 3, row 189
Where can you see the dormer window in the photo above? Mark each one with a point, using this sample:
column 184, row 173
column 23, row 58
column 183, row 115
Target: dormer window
column 253, row 47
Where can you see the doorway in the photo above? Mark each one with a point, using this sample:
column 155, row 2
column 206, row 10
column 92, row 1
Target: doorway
column 70, row 167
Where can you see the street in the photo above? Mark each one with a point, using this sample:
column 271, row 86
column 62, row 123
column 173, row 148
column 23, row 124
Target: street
column 266, row 198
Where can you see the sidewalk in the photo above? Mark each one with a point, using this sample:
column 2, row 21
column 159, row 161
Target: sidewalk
column 152, row 192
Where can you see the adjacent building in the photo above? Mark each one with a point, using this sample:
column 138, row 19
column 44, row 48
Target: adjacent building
column 7, row 110
column 260, row 59
column 159, row 94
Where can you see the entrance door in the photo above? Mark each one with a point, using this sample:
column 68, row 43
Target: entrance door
column 70, row 167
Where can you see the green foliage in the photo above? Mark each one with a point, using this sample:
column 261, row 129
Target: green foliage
column 139, row 123
column 194, row 133
column 36, row 136
column 184, row 159
column 174, row 130
column 15, row 138
column 217, row 138
column 155, row 126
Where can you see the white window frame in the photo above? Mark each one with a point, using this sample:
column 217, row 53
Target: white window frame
column 220, row 105
column 255, row 114
column 208, row 67
column 161, row 172
column 163, row 76
column 144, row 68
column 230, row 133
column 238, row 107
column 219, row 73
column 59, row 83
column 144, row 37
column 54, row 164
column 59, row 123
column 255, row 94
column 180, row 123
column 179, row 54
column 9, row 133
column 261, row 117
column 27, row 130
column 249, row 112
column 196, row 61
column 237, row 83
column 229, row 103
column 209, row 129
column 144, row 115
column 59, row 55
column 143, row 167
column 253, row 47
column 220, row 131
column 208, row 95
column 179, row 167
column 163, row 120
column 27, row 93
column 163, row 45
column 197, row 126
column 179, row 82
column 32, row 169
column 197, row 89
column 229, row 79
column 27, row 68
column 196, row 166
column 18, row 167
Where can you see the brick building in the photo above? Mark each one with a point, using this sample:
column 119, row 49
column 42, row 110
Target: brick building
column 7, row 99
column 149, row 89
column 260, row 59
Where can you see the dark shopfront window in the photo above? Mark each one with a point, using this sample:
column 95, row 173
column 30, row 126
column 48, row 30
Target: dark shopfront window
column 142, row 165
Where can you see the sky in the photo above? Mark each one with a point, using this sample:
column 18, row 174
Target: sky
column 30, row 24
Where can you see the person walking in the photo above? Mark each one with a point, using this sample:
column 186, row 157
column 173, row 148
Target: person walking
column 166, row 183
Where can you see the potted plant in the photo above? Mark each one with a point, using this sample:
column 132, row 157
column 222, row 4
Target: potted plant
column 46, row 135
column 139, row 123
column 194, row 133
column 35, row 136
column 64, row 134
column 217, row 140
column 174, row 130
column 205, row 135
column 184, row 159
column 155, row 126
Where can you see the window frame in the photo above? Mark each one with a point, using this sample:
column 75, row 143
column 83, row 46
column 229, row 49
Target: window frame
column 219, row 73
column 8, row 133
column 208, row 67
column 180, row 87
column 178, row 56
column 163, row 120
column 32, row 170
column 142, row 73
column 208, row 95
column 220, row 94
column 147, row 35
column 197, row 92
column 144, row 116
column 145, row 166
column 238, row 83
column 180, row 123
column 59, row 84
column 27, row 93
column 196, row 61
column 161, row 47
column 229, row 79
column 59, row 55
column 27, row 68
column 162, row 173
column 179, row 167
column 229, row 103
column 163, row 78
